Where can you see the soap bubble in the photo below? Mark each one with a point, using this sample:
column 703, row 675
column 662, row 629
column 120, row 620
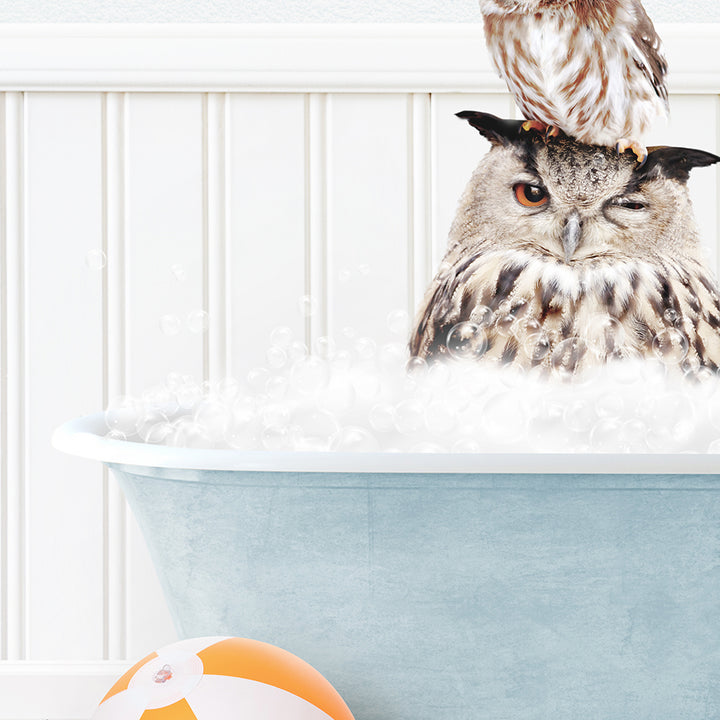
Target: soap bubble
column 178, row 272
column 198, row 321
column 325, row 347
column 122, row 415
column 382, row 417
column 227, row 388
column 355, row 439
column 338, row 396
column 482, row 315
column 398, row 322
column 391, row 357
column 632, row 437
column 610, row 405
column 579, row 415
column 188, row 394
column 503, row 420
column 605, row 434
column 672, row 317
column 297, row 350
column 310, row 374
column 275, row 438
column 95, row 259
column 670, row 346
column 466, row 340
column 158, row 434
column 147, row 420
column 281, row 336
column 603, row 334
column 439, row 419
column 312, row 429
column 277, row 387
column 409, row 416
column 257, row 378
column 275, row 415
column 276, row 357
column 365, row 348
column 116, row 435
column 189, row 434
column 170, row 324
column 214, row 416
column 566, row 356
column 307, row 305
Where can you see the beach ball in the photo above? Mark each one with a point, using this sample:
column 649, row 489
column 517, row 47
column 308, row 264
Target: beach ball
column 222, row 678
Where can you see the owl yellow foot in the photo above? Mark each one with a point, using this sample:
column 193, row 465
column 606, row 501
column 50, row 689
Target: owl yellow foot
column 639, row 149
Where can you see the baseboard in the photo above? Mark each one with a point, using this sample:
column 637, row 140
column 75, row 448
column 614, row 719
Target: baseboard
column 55, row 691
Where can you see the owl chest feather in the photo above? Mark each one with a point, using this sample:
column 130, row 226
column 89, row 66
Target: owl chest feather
column 532, row 307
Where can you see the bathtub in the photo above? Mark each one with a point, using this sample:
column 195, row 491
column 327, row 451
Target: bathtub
column 445, row 587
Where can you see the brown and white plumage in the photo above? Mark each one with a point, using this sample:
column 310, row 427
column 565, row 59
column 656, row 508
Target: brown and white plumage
column 591, row 68
column 565, row 254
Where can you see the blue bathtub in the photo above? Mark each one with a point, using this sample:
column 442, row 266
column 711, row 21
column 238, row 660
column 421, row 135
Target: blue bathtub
column 446, row 587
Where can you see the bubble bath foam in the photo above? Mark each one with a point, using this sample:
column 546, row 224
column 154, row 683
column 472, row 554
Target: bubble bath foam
column 441, row 586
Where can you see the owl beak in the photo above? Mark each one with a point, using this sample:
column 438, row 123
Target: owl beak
column 571, row 234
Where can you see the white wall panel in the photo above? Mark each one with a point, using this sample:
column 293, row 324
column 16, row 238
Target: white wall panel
column 65, row 372
column 14, row 380
column 368, row 265
column 164, row 255
column 693, row 123
column 457, row 149
column 164, row 241
column 267, row 196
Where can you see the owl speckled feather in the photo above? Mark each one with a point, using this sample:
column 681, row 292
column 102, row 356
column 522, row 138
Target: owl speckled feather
column 593, row 69
column 565, row 254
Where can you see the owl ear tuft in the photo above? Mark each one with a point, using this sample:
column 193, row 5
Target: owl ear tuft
column 497, row 130
column 675, row 162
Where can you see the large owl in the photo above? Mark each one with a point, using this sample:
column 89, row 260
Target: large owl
column 591, row 68
column 564, row 255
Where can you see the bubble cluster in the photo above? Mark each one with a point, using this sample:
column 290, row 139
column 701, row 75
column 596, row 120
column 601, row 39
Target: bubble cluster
column 352, row 394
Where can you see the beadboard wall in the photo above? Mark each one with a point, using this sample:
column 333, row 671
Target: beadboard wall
column 152, row 172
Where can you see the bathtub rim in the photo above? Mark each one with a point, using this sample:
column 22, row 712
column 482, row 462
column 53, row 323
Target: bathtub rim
column 85, row 437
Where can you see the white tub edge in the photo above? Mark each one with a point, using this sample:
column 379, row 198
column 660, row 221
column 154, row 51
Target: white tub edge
column 84, row 437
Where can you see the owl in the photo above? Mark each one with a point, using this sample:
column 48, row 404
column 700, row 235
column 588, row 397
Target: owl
column 592, row 69
column 564, row 255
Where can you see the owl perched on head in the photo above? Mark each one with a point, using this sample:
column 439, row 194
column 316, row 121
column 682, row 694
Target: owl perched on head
column 563, row 255
column 591, row 68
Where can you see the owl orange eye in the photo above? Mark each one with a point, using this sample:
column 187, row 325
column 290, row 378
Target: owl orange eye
column 530, row 195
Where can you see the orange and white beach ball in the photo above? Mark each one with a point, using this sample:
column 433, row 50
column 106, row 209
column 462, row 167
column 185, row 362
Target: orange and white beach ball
column 222, row 678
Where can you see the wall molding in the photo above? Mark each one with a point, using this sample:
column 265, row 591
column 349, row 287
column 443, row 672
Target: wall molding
column 276, row 58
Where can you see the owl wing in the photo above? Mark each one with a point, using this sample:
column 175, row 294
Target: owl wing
column 649, row 58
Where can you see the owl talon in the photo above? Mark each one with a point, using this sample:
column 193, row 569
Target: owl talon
column 552, row 132
column 536, row 125
column 640, row 151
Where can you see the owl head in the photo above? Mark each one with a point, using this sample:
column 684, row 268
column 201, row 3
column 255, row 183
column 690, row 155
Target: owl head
column 571, row 203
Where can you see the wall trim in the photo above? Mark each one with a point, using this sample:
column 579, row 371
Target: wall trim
column 55, row 691
column 275, row 58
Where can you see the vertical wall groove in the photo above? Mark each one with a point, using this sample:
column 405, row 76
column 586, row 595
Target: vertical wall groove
column 114, row 298
column 15, row 309
column 3, row 393
column 419, row 198
column 317, row 220
column 215, row 360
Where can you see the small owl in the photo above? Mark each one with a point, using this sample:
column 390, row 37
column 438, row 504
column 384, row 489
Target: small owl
column 564, row 255
column 593, row 69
